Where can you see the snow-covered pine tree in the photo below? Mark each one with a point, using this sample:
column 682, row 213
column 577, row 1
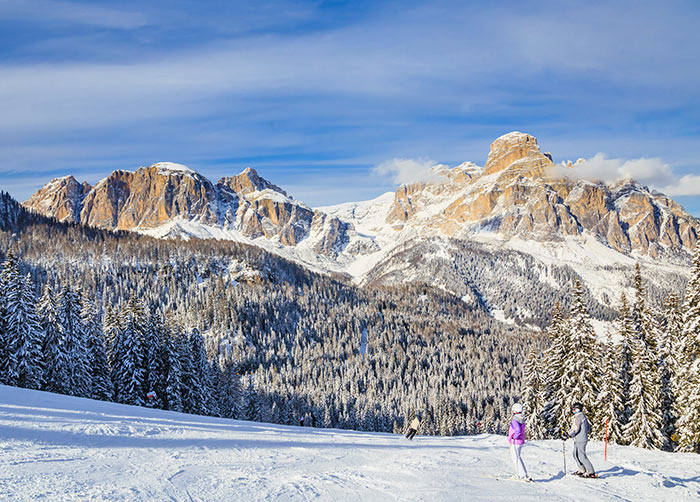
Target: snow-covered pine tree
column 250, row 396
column 669, row 339
column 192, row 385
column 3, row 341
column 173, row 381
column 643, row 319
column 128, row 371
column 644, row 427
column 610, row 398
column 111, row 326
column 229, row 390
column 154, row 361
column 71, row 327
column 101, row 384
column 579, row 380
column 625, row 331
column 533, row 397
column 553, row 413
column 22, row 361
column 688, row 424
column 9, row 274
column 57, row 363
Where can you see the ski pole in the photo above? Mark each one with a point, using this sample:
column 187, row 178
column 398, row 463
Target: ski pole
column 606, row 439
column 563, row 449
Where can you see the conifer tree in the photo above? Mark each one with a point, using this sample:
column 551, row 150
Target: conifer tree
column 533, row 397
column 688, row 425
column 154, row 361
column 579, row 381
column 669, row 354
column 173, row 367
column 101, row 384
column 553, row 413
column 72, row 332
column 111, row 325
column 230, row 392
column 625, row 331
column 9, row 275
column 644, row 427
column 645, row 423
column 252, row 406
column 643, row 320
column 57, row 363
column 610, row 398
column 191, row 383
column 22, row 361
column 128, row 371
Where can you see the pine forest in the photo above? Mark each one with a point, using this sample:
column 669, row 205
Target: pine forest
column 230, row 330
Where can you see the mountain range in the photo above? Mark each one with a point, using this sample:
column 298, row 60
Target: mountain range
column 512, row 235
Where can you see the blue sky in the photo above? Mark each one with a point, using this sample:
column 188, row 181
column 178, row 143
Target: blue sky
column 314, row 95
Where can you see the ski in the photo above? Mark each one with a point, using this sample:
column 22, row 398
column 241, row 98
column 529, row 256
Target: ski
column 582, row 475
column 506, row 478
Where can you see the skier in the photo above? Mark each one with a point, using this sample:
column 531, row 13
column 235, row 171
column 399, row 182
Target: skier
column 413, row 428
column 313, row 420
column 301, row 421
column 516, row 438
column 580, row 427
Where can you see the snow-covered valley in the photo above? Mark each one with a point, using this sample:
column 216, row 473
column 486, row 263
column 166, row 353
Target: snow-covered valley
column 55, row 447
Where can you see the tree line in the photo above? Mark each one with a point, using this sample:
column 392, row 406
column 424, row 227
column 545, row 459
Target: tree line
column 640, row 385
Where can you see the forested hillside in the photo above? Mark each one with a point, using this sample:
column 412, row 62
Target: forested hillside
column 228, row 329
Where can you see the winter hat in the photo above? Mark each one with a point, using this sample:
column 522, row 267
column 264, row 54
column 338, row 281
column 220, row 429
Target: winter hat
column 577, row 406
column 517, row 408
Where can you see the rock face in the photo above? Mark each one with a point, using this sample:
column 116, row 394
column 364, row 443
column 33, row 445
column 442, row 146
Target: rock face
column 265, row 210
column 515, row 195
column 61, row 198
column 153, row 196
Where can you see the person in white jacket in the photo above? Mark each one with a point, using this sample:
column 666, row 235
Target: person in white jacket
column 413, row 428
column 580, row 428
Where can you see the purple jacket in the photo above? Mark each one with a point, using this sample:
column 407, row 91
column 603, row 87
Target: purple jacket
column 516, row 431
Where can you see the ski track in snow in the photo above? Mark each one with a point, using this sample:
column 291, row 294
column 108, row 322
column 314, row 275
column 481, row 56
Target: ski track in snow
column 59, row 448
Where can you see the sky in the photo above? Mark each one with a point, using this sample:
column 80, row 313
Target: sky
column 332, row 100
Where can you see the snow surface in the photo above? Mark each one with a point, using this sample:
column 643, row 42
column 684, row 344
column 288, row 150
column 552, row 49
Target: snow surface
column 172, row 166
column 55, row 447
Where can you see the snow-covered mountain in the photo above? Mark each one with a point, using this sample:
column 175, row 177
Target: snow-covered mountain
column 549, row 228
column 55, row 447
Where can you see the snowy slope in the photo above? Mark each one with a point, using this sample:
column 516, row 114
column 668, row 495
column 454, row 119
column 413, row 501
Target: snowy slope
column 55, row 447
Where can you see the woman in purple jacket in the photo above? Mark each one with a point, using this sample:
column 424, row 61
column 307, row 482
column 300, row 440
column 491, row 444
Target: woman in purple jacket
column 516, row 438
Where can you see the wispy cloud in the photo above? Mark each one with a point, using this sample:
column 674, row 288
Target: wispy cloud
column 43, row 11
column 652, row 172
column 288, row 77
column 404, row 171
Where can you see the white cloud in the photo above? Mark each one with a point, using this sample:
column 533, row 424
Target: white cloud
column 405, row 171
column 652, row 172
column 686, row 185
column 71, row 12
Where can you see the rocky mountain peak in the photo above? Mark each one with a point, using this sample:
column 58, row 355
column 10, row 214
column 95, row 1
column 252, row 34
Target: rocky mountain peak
column 519, row 151
column 249, row 181
column 172, row 167
column 60, row 198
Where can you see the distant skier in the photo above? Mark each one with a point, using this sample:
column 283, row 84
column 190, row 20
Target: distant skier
column 413, row 428
column 580, row 427
column 516, row 438
column 313, row 420
column 301, row 421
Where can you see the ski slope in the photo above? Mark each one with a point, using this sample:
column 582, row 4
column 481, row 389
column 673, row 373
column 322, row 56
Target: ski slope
column 59, row 448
